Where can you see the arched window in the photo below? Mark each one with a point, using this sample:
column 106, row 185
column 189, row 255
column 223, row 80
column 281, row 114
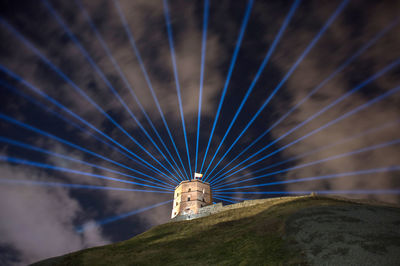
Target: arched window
column 189, row 190
column 176, row 204
column 188, row 198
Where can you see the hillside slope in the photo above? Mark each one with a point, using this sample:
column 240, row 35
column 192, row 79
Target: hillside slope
column 285, row 231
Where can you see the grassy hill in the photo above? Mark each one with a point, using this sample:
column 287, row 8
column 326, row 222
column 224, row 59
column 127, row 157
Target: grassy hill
column 306, row 230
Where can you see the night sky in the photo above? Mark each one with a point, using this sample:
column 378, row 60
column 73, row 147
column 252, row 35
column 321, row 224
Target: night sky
column 89, row 94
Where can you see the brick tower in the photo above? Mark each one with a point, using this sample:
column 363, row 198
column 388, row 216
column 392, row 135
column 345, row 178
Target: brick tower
column 190, row 196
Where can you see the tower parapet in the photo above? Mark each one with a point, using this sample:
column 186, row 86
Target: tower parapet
column 190, row 196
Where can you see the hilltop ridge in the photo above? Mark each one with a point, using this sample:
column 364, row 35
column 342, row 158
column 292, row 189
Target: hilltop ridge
column 303, row 230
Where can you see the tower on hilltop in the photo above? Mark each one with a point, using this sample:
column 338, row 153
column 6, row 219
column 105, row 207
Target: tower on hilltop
column 190, row 196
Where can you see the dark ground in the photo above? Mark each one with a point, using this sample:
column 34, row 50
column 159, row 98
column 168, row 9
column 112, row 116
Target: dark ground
column 286, row 231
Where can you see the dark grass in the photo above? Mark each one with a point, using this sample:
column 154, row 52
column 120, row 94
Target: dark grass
column 252, row 235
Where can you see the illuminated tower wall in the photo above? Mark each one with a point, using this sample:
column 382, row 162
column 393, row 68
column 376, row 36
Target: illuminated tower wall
column 190, row 196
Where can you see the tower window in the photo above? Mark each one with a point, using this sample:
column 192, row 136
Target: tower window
column 189, row 190
column 188, row 198
column 176, row 204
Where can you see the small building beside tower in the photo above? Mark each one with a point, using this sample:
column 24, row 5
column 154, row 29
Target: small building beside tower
column 190, row 196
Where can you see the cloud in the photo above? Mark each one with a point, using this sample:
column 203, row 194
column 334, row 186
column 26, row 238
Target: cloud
column 311, row 71
column 49, row 216
column 40, row 221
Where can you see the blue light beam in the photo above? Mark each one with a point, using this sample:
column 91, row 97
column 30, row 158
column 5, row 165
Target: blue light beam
column 299, row 60
column 203, row 56
column 79, row 90
column 53, row 101
column 69, row 158
column 253, row 83
column 342, row 141
column 355, row 89
column 329, row 192
column 365, row 149
column 228, row 78
column 7, row 181
column 313, row 178
column 326, row 80
column 51, row 136
column 178, row 89
column 109, row 85
column 234, row 198
column 81, row 229
column 226, row 200
column 67, row 170
column 146, row 76
column 36, row 90
column 128, row 85
column 318, row 192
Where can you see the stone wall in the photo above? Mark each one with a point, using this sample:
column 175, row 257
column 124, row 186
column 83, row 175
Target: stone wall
column 219, row 207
